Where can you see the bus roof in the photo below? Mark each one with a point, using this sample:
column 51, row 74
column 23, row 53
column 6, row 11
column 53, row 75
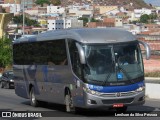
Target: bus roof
column 84, row 35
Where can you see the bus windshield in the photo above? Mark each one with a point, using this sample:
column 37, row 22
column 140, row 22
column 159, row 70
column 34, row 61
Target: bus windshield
column 113, row 63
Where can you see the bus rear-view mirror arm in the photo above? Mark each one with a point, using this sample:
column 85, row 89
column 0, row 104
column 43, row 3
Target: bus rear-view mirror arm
column 81, row 53
column 147, row 48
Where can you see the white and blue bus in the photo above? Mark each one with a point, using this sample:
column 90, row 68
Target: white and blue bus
column 81, row 68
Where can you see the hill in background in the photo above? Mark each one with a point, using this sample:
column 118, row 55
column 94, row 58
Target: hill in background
column 153, row 2
column 135, row 3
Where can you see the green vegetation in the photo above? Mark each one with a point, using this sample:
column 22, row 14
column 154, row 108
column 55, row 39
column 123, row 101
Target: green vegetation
column 41, row 2
column 55, row 2
column 94, row 20
column 153, row 74
column 28, row 22
column 148, row 18
column 144, row 18
column 5, row 52
column 85, row 20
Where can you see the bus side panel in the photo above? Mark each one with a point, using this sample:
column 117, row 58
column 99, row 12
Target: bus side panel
column 19, row 81
column 59, row 77
column 78, row 94
column 34, row 77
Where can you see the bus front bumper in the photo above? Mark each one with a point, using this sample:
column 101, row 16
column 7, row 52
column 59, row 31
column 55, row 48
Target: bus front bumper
column 94, row 101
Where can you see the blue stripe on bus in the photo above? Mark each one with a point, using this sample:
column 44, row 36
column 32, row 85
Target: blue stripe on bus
column 110, row 89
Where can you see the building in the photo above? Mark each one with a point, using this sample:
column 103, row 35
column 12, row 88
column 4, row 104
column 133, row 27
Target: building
column 12, row 8
column 139, row 12
column 73, row 23
column 36, row 11
column 0, row 9
column 55, row 24
column 81, row 13
column 1, row 1
column 99, row 24
column 61, row 24
column 27, row 3
column 55, row 9
column 107, row 9
column 42, row 22
column 12, row 1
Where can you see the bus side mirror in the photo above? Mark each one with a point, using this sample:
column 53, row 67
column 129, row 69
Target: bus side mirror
column 81, row 53
column 147, row 49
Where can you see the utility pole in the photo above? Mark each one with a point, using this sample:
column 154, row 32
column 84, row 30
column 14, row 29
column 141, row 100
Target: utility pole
column 23, row 17
column 65, row 14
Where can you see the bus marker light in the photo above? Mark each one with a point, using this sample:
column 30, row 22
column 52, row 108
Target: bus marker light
column 118, row 105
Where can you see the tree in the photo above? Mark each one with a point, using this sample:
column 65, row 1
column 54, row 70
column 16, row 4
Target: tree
column 28, row 22
column 41, row 2
column 55, row 2
column 94, row 20
column 85, row 20
column 153, row 17
column 5, row 52
column 144, row 18
column 148, row 18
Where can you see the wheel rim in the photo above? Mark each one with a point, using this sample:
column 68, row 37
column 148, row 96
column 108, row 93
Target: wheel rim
column 33, row 98
column 69, row 103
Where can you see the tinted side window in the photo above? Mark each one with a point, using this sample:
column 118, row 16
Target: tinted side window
column 75, row 60
column 57, row 52
column 19, row 53
column 40, row 53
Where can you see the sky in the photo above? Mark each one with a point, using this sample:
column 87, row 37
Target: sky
column 153, row 2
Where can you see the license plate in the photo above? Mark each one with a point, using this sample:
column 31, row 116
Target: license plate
column 116, row 105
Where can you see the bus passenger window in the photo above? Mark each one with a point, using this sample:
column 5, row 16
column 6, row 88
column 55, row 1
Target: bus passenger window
column 75, row 60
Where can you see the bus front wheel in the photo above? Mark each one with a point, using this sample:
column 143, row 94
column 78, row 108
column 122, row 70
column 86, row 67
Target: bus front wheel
column 69, row 103
column 33, row 100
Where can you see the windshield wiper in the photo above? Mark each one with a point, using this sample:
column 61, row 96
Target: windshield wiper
column 95, row 80
column 107, row 78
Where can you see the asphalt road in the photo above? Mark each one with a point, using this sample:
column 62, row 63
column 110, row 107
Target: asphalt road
column 10, row 102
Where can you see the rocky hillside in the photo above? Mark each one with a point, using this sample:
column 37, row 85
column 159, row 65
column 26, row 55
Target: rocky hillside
column 134, row 3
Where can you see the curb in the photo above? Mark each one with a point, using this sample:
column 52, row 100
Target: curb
column 152, row 80
column 152, row 87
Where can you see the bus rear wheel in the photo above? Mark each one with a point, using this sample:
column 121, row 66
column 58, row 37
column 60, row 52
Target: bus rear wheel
column 33, row 100
column 69, row 103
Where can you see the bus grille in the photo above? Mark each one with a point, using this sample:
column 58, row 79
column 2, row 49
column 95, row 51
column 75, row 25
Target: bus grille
column 130, row 93
column 127, row 100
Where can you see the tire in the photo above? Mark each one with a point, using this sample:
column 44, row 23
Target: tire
column 69, row 103
column 7, row 85
column 122, row 109
column 33, row 100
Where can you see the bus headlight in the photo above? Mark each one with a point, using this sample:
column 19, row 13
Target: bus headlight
column 91, row 91
column 140, row 89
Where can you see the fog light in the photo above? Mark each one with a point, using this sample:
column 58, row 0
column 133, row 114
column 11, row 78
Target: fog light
column 91, row 102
